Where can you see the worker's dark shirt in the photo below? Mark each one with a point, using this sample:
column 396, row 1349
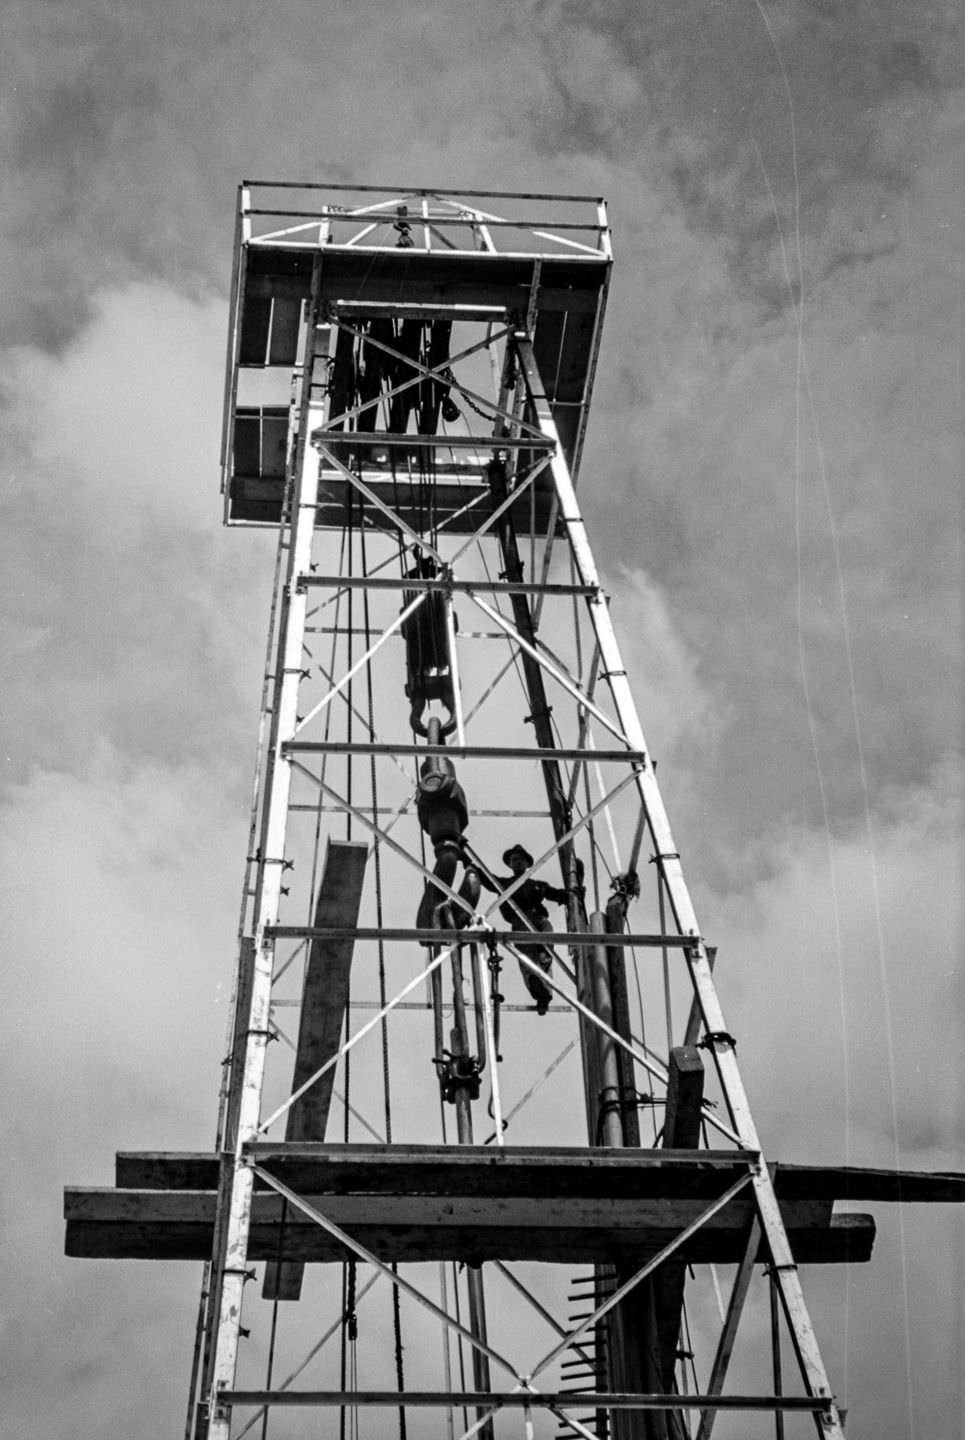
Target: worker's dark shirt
column 530, row 898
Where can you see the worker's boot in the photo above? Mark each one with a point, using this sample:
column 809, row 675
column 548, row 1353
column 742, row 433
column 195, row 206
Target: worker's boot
column 540, row 992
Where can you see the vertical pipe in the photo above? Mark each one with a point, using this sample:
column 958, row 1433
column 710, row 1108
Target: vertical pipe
column 463, row 1105
column 608, row 1125
column 435, row 982
column 616, row 910
column 480, row 1007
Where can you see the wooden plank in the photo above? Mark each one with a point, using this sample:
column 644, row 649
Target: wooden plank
column 487, row 1212
column 178, row 1225
column 681, row 1128
column 285, row 318
column 534, row 1171
column 525, row 1399
column 442, row 936
column 444, row 1170
column 685, row 1093
column 850, row 1182
column 325, row 989
column 324, row 1000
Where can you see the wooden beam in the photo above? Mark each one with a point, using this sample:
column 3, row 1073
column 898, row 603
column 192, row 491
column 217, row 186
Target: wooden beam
column 488, row 1212
column 522, row 1400
column 444, row 1170
column 324, row 1000
column 646, row 1325
column 155, row 1224
column 400, row 1169
column 850, row 1182
column 681, row 1129
column 685, row 1093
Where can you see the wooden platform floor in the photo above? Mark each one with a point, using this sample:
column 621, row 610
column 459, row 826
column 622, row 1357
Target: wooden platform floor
column 418, row 1203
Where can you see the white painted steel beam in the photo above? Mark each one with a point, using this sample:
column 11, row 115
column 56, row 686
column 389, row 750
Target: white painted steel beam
column 719, row 1041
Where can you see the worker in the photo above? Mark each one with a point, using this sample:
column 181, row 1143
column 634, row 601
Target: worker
column 528, row 900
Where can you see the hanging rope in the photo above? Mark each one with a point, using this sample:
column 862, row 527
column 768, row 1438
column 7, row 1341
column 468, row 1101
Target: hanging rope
column 383, row 990
column 347, row 1267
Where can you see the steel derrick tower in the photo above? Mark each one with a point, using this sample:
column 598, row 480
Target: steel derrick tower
column 485, row 1164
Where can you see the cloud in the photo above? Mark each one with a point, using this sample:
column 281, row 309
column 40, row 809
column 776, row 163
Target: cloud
column 123, row 598
column 119, row 904
column 666, row 670
column 767, row 515
column 859, row 932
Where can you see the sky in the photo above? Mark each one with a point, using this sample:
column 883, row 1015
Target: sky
column 772, row 478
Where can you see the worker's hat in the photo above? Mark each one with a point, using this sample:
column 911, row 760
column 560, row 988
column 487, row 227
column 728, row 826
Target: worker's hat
column 517, row 850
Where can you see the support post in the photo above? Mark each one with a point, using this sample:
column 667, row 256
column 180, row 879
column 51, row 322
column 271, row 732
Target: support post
column 231, row 1264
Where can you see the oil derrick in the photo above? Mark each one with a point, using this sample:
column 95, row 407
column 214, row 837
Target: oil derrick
column 484, row 1162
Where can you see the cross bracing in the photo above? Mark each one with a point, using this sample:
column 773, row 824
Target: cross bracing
column 407, row 393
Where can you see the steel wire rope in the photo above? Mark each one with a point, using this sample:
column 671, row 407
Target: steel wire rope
column 548, row 1071
column 497, row 606
column 597, row 849
column 273, row 1335
column 446, row 1347
column 457, row 1308
column 348, row 1267
column 383, row 992
column 319, row 1345
column 688, row 1357
column 522, row 683
column 595, row 846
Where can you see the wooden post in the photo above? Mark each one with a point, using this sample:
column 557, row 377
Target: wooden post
column 322, row 1018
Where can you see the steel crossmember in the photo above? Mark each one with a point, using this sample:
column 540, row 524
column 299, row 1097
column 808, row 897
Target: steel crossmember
column 359, row 484
column 394, row 1278
column 465, row 752
column 354, row 1038
column 272, row 1397
column 525, row 482
column 425, row 372
column 361, row 662
column 437, row 582
column 561, row 678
